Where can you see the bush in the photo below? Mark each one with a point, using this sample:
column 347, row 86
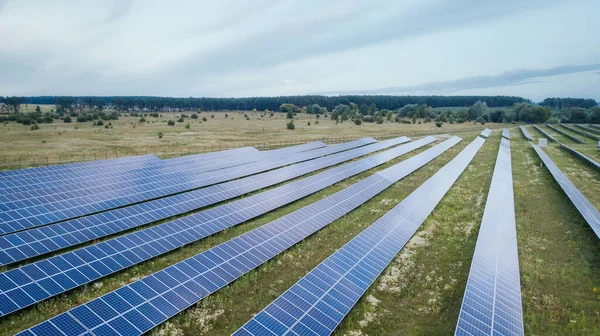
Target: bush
column 290, row 115
column 160, row 135
column 357, row 122
column 291, row 125
column 212, row 115
column 171, row 123
column 379, row 120
column 187, row 125
column 316, row 122
column 480, row 120
column 142, row 119
column 67, row 119
column 438, row 123
column 180, row 119
column 308, row 123
column 204, row 119
column 35, row 126
column 553, row 120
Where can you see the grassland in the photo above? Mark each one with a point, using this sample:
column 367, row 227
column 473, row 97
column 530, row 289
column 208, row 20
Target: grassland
column 65, row 142
column 421, row 291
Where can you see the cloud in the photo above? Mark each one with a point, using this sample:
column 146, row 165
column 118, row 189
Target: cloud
column 509, row 78
column 120, row 9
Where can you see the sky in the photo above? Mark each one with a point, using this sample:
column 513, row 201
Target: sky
column 230, row 48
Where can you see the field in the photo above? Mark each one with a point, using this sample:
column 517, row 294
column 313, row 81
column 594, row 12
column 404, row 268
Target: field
column 420, row 292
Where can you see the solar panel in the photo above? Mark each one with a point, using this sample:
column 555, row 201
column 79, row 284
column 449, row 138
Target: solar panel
column 213, row 155
column 588, row 129
column 506, row 133
column 582, row 156
column 545, row 133
column 35, row 242
column 144, row 304
column 90, row 178
column 317, row 303
column 492, row 300
column 486, row 133
column 526, row 133
column 585, row 208
column 298, row 148
column 93, row 262
column 575, row 130
column 21, row 217
column 574, row 138
column 594, row 126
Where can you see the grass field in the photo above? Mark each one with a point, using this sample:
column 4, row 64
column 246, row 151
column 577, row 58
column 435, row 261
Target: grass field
column 64, row 142
column 421, row 291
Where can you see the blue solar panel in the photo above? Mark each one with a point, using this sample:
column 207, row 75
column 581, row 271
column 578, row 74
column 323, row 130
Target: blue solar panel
column 575, row 130
column 526, row 133
column 582, row 156
column 506, row 133
column 96, row 261
column 179, row 286
column 298, row 148
column 574, row 138
column 38, row 241
column 585, row 208
column 486, row 133
column 588, row 129
column 317, row 303
column 23, row 215
column 545, row 133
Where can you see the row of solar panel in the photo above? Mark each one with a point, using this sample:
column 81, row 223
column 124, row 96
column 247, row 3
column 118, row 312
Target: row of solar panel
column 596, row 127
column 162, row 170
column 575, row 130
column 492, row 300
column 506, row 133
column 546, row 134
column 63, row 272
column 34, row 242
column 588, row 129
column 526, row 133
column 134, row 179
column 585, row 208
column 143, row 304
column 561, row 132
column 317, row 303
column 37, row 215
column 486, row 132
column 582, row 156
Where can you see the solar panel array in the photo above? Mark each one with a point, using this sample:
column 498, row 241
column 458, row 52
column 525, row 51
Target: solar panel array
column 492, row 300
column 69, row 270
column 297, row 149
column 585, row 208
column 588, row 129
column 24, row 217
column 545, row 133
column 526, row 133
column 575, row 130
column 506, row 133
column 594, row 126
column 582, row 156
column 317, row 303
column 140, row 306
column 38, row 241
column 486, row 132
column 572, row 137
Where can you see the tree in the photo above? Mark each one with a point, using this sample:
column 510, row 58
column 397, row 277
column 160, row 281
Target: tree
column 577, row 115
column 540, row 114
column 290, row 115
column 357, row 121
column 477, row 110
column 335, row 115
column 14, row 102
column 171, row 123
column 38, row 109
column 389, row 116
column 289, row 108
column 414, row 118
column 595, row 115
column 291, row 125
column 497, row 116
column 67, row 119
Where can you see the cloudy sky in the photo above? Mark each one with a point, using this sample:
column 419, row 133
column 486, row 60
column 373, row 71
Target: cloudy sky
column 231, row 48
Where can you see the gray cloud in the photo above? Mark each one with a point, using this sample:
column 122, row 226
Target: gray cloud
column 120, row 9
column 509, row 78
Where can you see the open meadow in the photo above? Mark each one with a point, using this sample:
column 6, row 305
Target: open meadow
column 421, row 291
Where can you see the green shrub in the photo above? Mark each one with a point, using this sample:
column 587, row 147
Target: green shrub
column 171, row 123
column 67, row 119
column 187, row 125
column 204, row 119
column 291, row 125
column 180, row 119
column 357, row 122
column 160, row 135
column 438, row 123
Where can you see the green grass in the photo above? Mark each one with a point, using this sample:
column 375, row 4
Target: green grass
column 421, row 291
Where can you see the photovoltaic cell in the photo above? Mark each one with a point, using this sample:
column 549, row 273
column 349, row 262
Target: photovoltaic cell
column 506, row 133
column 582, row 156
column 526, row 133
column 35, row 242
column 71, row 269
column 88, row 179
column 585, row 208
column 574, row 138
column 545, row 133
column 486, row 133
column 575, row 130
column 165, row 293
column 23, row 217
column 297, row 149
column 492, row 300
column 317, row 303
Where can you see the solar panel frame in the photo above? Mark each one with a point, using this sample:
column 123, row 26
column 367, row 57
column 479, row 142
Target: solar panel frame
column 486, row 133
column 546, row 134
column 38, row 241
column 593, row 131
column 581, row 203
column 561, row 132
column 588, row 135
column 21, row 218
column 585, row 158
column 212, row 269
column 526, row 133
column 506, row 133
column 337, row 283
column 492, row 299
column 594, row 126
